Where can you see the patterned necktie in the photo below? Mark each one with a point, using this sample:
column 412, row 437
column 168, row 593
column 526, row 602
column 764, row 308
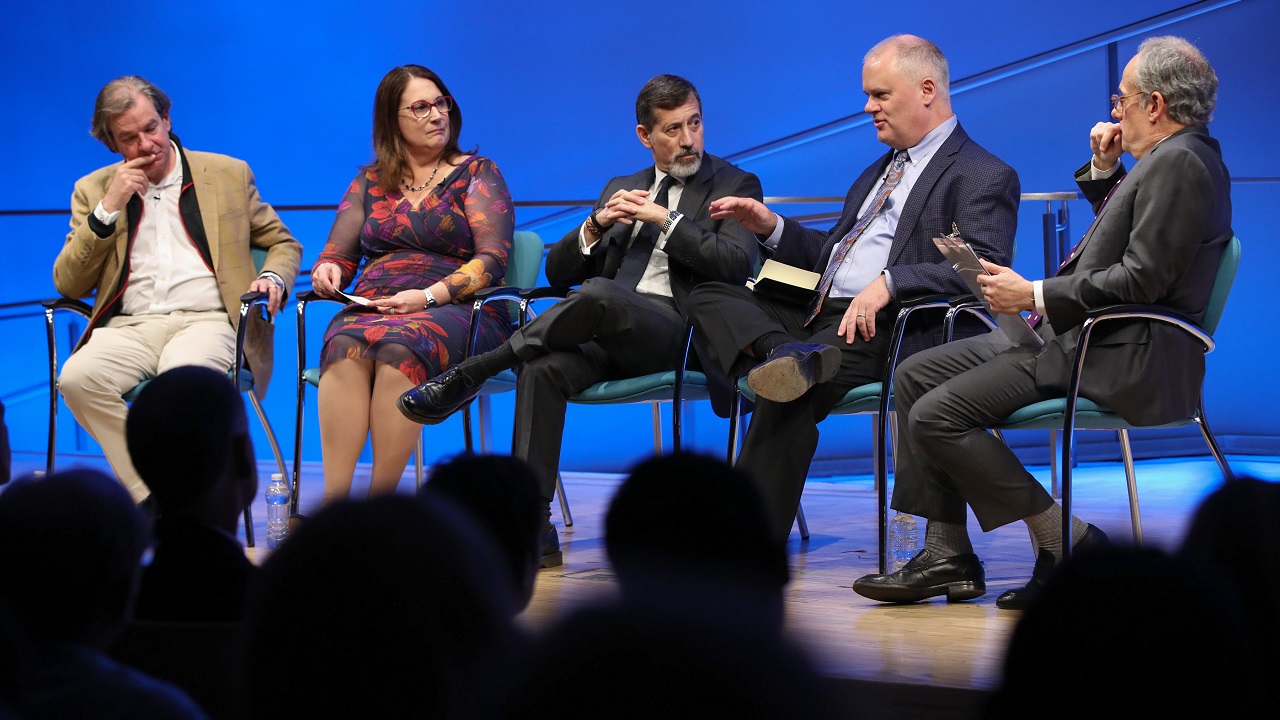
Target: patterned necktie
column 877, row 204
column 1034, row 318
column 636, row 261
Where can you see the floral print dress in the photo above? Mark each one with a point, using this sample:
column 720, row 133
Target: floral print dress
column 460, row 233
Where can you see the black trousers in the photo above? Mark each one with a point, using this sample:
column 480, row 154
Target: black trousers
column 602, row 331
column 946, row 397
column 782, row 437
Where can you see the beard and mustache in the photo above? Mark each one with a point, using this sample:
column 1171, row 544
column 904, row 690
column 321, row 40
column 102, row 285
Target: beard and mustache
column 685, row 163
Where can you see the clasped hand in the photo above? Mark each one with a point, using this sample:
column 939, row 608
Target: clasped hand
column 628, row 206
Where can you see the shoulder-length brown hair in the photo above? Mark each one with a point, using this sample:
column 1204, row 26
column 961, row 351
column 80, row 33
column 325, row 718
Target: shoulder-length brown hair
column 390, row 156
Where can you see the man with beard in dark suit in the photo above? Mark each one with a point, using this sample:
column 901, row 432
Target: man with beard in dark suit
column 649, row 241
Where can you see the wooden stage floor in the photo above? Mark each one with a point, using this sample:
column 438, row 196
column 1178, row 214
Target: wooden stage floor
column 931, row 659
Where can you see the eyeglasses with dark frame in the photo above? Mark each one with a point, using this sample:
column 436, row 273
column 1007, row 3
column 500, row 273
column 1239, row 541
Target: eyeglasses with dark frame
column 422, row 108
column 1118, row 101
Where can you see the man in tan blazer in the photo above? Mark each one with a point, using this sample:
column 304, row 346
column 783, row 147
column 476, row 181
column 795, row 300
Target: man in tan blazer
column 162, row 241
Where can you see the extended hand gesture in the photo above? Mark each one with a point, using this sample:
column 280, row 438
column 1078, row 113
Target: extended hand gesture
column 751, row 213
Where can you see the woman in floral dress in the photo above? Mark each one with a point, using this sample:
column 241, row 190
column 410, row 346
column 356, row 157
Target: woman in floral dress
column 432, row 224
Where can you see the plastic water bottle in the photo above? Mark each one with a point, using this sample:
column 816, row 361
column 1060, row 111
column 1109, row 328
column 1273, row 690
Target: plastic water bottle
column 277, row 511
column 902, row 540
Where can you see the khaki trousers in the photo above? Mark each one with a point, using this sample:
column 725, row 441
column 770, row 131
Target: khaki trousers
column 126, row 351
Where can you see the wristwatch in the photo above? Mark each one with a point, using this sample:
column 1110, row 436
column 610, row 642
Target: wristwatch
column 672, row 216
column 431, row 299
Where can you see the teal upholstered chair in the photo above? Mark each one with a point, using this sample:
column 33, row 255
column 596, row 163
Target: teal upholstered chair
column 1074, row 412
column 869, row 399
column 522, row 271
column 674, row 386
column 249, row 302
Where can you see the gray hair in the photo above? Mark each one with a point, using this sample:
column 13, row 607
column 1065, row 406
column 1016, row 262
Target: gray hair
column 116, row 98
column 1180, row 73
column 916, row 59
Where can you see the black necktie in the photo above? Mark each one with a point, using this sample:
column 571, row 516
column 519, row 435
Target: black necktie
column 637, row 258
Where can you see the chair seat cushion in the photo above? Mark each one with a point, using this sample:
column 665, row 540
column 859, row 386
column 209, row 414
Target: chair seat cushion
column 245, row 385
column 504, row 381
column 646, row 388
column 1049, row 415
column 861, row 399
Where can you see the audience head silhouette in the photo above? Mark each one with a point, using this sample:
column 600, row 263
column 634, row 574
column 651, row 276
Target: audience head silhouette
column 1130, row 630
column 189, row 441
column 501, row 494
column 70, row 548
column 1235, row 534
column 389, row 607
column 687, row 520
column 638, row 660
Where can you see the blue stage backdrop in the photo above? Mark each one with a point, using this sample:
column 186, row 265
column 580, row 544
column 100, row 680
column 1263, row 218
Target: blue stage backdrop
column 548, row 91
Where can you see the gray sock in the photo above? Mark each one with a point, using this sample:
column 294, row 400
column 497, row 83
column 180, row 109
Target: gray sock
column 1046, row 530
column 946, row 539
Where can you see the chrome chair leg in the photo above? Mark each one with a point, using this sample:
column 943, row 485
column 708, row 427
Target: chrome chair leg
column 657, row 428
column 417, row 464
column 800, row 521
column 1203, row 423
column 1055, row 485
column 1131, row 480
column 564, row 503
column 486, row 422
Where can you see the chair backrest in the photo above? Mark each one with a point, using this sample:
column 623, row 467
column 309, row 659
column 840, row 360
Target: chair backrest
column 1222, row 285
column 523, row 264
column 525, row 260
column 259, row 256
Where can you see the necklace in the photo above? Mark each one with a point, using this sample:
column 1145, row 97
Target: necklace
column 424, row 185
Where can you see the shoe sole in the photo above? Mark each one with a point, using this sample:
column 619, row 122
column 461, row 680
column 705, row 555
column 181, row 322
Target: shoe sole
column 955, row 592
column 425, row 419
column 550, row 560
column 782, row 380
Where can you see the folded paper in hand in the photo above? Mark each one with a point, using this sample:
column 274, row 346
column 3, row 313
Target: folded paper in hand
column 355, row 298
column 785, row 283
column 965, row 262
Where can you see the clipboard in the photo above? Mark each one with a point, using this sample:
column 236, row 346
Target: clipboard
column 965, row 262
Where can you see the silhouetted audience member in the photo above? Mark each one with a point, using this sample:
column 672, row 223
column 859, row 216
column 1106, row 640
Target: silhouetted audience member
column 1127, row 633
column 13, row 652
column 639, row 660
column 6, row 455
column 689, row 528
column 70, row 549
column 189, row 440
column 1236, row 532
column 389, row 607
column 501, row 493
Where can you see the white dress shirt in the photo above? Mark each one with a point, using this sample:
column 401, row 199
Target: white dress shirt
column 656, row 279
column 166, row 271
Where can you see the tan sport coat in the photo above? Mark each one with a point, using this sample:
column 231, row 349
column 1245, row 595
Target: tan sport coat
column 234, row 219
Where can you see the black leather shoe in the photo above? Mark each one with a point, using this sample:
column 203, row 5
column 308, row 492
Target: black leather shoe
column 959, row 577
column 1021, row 598
column 551, row 554
column 435, row 400
column 792, row 369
